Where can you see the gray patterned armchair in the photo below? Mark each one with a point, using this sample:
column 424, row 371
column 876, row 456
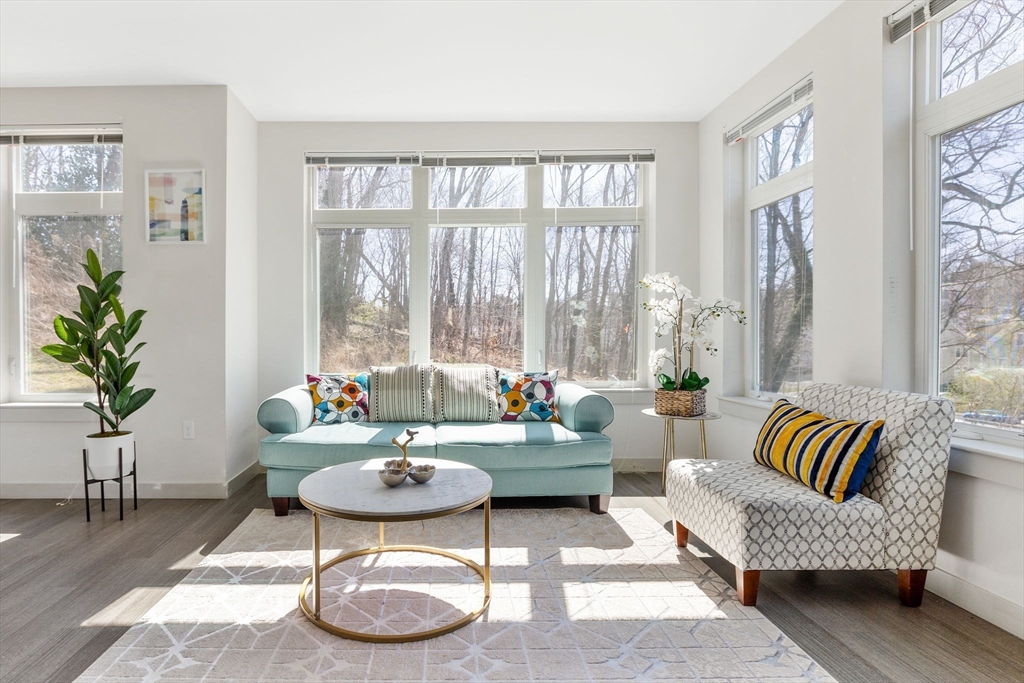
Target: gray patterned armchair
column 761, row 519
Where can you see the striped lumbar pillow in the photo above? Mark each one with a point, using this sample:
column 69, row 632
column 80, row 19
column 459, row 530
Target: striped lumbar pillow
column 401, row 394
column 830, row 456
column 465, row 393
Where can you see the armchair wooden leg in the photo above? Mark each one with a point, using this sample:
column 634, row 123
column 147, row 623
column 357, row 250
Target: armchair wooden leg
column 746, row 585
column 911, row 583
column 599, row 503
column 280, row 506
column 682, row 535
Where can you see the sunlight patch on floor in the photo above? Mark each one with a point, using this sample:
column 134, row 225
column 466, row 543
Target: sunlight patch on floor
column 126, row 610
column 7, row 537
column 190, row 561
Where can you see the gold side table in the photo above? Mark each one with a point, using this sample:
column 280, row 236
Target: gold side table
column 668, row 451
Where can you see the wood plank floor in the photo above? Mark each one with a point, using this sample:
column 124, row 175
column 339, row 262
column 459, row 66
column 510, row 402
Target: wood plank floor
column 68, row 590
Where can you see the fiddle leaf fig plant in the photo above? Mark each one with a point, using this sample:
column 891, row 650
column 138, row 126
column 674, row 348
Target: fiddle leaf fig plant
column 99, row 350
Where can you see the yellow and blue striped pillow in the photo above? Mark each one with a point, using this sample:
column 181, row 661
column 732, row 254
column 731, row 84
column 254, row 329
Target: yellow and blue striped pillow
column 830, row 456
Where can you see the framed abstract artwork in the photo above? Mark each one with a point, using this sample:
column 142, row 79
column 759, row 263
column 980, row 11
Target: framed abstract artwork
column 174, row 206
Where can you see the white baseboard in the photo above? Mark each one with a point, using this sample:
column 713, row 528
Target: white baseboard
column 636, row 465
column 199, row 489
column 990, row 607
column 242, row 478
column 61, row 490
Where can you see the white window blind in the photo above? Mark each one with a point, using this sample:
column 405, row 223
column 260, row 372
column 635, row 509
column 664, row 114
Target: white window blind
column 915, row 15
column 481, row 158
column 79, row 135
column 792, row 98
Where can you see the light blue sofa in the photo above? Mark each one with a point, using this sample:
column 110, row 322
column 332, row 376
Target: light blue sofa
column 523, row 458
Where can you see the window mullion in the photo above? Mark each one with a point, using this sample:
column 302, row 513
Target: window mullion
column 419, row 268
column 797, row 180
column 534, row 296
column 68, row 203
column 975, row 101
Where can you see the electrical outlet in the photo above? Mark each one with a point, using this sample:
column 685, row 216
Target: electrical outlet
column 188, row 430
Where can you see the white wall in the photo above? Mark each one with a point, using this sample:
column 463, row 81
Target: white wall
column 240, row 280
column 863, row 278
column 283, row 244
column 182, row 286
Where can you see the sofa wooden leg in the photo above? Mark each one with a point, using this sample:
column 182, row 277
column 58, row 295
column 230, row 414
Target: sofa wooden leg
column 746, row 585
column 682, row 535
column 280, row 505
column 911, row 582
column 599, row 503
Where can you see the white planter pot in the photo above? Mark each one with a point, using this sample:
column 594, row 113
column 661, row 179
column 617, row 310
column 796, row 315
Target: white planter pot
column 102, row 454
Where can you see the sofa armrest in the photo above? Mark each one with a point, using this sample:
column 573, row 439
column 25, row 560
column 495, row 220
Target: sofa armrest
column 287, row 412
column 582, row 410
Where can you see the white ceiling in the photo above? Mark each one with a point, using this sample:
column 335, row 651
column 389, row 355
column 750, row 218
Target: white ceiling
column 501, row 60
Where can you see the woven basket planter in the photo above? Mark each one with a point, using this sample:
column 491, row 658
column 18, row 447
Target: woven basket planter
column 680, row 403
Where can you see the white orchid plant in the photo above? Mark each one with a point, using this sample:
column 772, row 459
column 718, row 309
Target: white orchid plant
column 689, row 320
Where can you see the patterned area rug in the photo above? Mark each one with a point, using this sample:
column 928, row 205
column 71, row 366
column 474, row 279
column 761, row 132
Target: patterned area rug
column 575, row 597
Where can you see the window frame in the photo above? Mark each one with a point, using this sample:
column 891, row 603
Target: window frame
column 756, row 197
column 935, row 116
column 534, row 218
column 17, row 204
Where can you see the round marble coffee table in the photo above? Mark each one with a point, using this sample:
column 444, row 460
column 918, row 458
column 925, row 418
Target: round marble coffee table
column 354, row 491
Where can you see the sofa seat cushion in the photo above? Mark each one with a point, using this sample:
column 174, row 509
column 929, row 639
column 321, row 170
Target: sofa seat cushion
column 321, row 446
column 520, row 445
column 758, row 518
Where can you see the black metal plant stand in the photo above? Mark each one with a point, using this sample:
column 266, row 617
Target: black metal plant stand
column 119, row 479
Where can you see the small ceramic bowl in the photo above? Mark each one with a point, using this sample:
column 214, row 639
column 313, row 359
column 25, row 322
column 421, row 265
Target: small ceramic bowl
column 421, row 474
column 392, row 476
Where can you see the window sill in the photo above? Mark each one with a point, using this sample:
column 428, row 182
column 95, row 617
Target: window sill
column 626, row 396
column 744, row 407
column 45, row 412
column 993, row 462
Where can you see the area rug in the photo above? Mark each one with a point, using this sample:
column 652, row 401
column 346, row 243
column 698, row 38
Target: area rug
column 575, row 597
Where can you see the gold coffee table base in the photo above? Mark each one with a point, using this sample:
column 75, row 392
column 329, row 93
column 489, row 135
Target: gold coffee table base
column 313, row 613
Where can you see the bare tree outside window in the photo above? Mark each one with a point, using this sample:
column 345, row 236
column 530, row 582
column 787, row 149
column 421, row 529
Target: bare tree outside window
column 981, row 269
column 364, row 187
column 784, row 264
column 980, row 39
column 591, row 185
column 590, row 326
column 53, row 249
column 786, row 146
column 71, row 168
column 478, row 187
column 364, row 298
column 785, row 293
column 476, row 295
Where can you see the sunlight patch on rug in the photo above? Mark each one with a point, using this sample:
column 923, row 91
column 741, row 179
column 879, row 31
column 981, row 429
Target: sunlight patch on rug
column 575, row 597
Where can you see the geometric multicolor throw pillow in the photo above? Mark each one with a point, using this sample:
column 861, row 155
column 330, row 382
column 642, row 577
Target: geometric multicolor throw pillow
column 527, row 396
column 830, row 456
column 339, row 398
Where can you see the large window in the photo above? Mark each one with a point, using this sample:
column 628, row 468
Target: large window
column 970, row 183
column 518, row 266
column 780, row 205
column 476, row 295
column 979, row 40
column 65, row 197
column 364, row 295
column 591, row 301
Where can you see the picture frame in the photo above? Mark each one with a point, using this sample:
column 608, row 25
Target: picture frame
column 175, row 206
